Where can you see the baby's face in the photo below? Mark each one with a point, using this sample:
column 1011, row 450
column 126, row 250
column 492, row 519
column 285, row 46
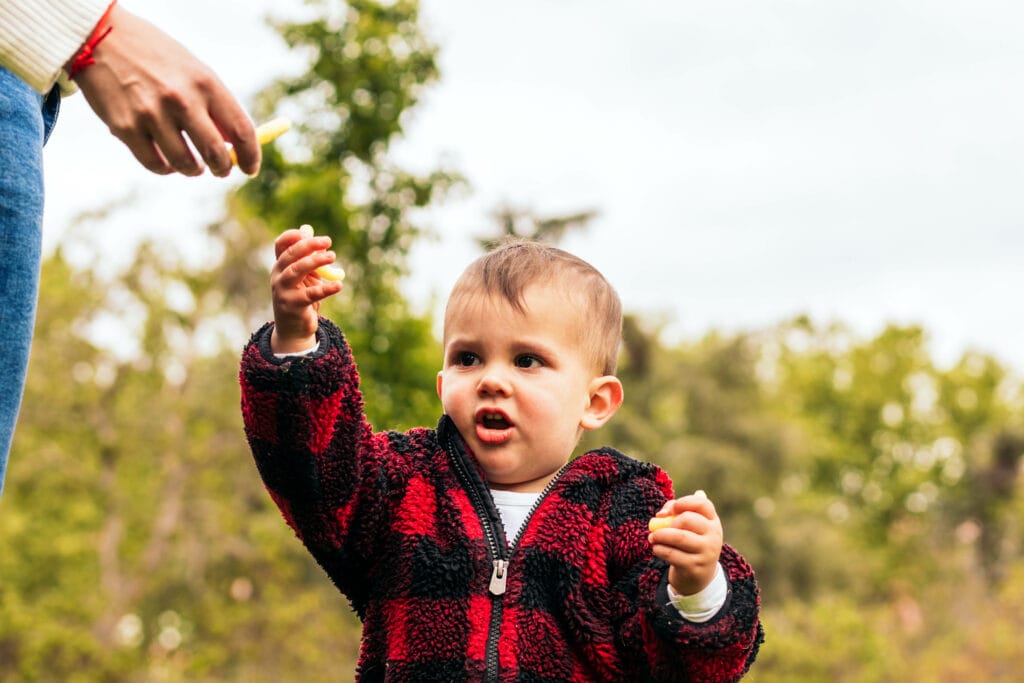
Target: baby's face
column 517, row 385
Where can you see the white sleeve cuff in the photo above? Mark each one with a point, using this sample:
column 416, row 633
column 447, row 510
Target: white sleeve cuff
column 38, row 37
column 298, row 353
column 701, row 606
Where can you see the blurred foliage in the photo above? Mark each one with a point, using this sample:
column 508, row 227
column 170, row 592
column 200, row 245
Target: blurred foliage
column 368, row 65
column 876, row 493
column 138, row 542
column 522, row 224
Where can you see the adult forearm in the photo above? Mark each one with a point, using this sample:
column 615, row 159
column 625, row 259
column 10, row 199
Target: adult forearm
column 38, row 37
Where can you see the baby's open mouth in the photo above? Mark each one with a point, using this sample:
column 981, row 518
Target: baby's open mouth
column 494, row 421
column 493, row 426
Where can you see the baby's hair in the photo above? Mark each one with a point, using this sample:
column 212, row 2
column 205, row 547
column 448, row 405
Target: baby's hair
column 514, row 264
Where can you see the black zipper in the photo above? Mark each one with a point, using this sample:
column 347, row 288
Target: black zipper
column 499, row 559
column 499, row 552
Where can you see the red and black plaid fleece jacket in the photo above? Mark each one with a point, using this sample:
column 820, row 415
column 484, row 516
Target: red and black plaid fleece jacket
column 405, row 526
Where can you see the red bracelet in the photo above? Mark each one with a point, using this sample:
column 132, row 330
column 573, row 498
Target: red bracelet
column 84, row 57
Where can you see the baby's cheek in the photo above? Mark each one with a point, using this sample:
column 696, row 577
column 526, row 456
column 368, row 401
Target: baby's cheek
column 453, row 397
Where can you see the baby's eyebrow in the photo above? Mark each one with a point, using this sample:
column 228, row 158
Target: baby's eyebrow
column 461, row 343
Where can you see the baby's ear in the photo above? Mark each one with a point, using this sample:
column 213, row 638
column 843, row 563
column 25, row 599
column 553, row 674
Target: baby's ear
column 439, row 382
column 605, row 399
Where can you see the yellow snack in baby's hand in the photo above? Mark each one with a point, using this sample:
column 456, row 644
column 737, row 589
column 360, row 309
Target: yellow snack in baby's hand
column 663, row 522
column 659, row 523
column 330, row 271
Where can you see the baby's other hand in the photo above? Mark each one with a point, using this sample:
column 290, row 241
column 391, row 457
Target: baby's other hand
column 296, row 290
column 687, row 534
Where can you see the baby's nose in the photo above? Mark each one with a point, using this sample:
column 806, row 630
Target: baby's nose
column 494, row 382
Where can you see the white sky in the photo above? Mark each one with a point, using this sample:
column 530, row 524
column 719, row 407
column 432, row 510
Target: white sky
column 856, row 160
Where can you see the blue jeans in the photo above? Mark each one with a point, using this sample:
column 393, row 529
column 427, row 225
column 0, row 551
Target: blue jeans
column 26, row 119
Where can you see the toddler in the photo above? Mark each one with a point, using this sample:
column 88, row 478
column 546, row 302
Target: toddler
column 481, row 550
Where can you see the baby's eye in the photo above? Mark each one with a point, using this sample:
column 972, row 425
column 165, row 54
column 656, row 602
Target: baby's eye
column 528, row 361
column 466, row 359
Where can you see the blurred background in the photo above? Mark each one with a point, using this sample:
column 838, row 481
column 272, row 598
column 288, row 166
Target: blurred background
column 808, row 211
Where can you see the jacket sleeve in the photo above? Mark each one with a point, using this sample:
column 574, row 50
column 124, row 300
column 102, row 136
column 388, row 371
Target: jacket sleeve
column 318, row 457
column 673, row 649
column 38, row 37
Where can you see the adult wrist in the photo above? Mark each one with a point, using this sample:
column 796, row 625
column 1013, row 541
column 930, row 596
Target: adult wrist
column 83, row 59
column 38, row 37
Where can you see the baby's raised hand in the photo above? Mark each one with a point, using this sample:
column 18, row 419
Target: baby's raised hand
column 297, row 288
column 687, row 534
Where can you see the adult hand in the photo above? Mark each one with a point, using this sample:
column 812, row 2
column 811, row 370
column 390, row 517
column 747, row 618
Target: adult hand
column 151, row 92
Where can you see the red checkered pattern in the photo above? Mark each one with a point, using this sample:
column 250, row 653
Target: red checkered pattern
column 400, row 522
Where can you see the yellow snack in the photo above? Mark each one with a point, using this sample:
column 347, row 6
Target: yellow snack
column 659, row 523
column 662, row 522
column 331, row 271
column 266, row 132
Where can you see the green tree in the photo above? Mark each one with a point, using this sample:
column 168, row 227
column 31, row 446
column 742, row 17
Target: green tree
column 369, row 63
column 907, row 451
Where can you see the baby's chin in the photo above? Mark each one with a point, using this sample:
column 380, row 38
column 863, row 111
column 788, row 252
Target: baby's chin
column 514, row 484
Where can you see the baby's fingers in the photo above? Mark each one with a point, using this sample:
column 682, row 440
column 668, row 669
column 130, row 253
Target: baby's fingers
column 285, row 240
column 293, row 244
column 696, row 502
column 308, row 295
column 681, row 550
column 302, row 271
column 671, row 529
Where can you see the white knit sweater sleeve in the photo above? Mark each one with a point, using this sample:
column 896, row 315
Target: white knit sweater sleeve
column 37, row 37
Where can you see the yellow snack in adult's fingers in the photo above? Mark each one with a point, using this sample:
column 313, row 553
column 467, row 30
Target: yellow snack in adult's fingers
column 266, row 132
column 272, row 129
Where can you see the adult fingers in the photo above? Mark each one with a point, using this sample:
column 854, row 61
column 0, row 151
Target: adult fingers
column 222, row 120
column 171, row 144
column 234, row 126
column 162, row 121
column 145, row 151
column 209, row 143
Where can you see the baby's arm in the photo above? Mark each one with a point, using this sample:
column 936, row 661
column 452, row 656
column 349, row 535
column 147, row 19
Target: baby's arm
column 316, row 453
column 716, row 649
column 296, row 289
column 687, row 534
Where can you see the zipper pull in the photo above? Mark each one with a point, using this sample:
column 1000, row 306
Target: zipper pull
column 498, row 577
